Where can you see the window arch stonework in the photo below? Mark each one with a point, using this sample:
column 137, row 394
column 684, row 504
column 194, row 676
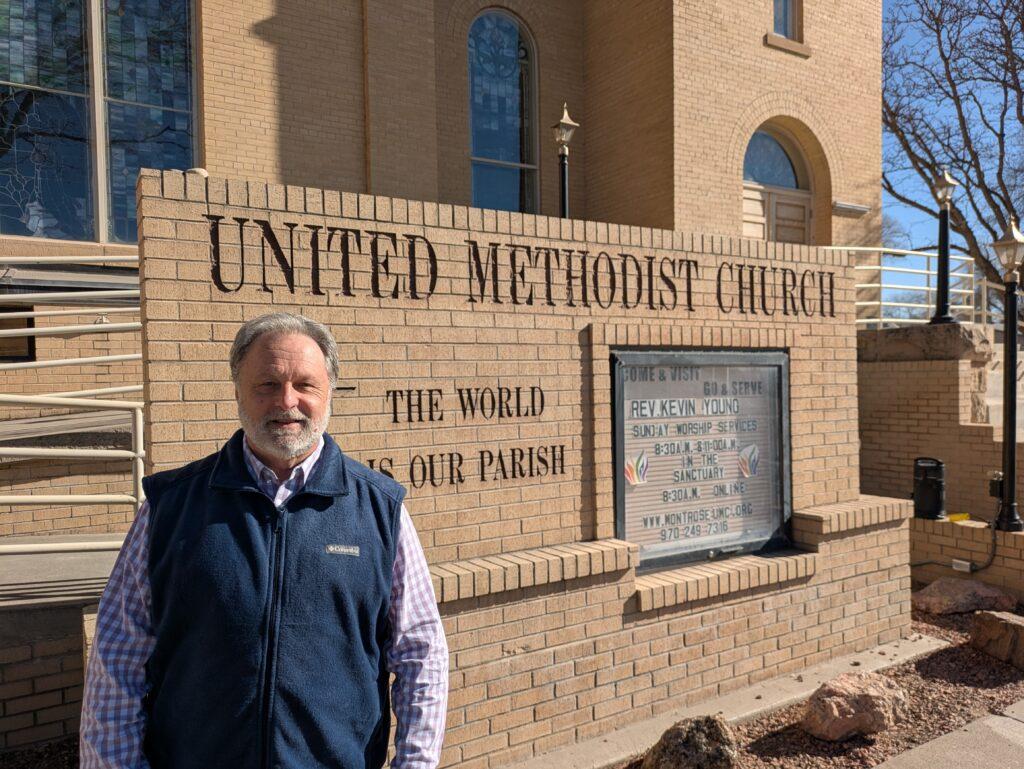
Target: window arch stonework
column 810, row 141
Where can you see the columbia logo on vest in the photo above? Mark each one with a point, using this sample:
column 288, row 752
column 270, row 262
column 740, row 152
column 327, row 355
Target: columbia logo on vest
column 343, row 549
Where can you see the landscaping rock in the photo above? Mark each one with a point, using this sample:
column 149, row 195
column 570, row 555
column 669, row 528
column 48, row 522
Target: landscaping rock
column 854, row 703
column 958, row 596
column 694, row 743
column 1001, row 635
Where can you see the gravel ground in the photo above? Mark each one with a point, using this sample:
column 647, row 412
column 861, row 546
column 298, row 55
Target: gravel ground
column 947, row 689
column 57, row 755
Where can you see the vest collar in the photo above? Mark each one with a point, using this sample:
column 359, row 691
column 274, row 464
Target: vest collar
column 329, row 477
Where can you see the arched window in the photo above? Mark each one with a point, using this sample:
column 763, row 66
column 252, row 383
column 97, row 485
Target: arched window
column 767, row 162
column 776, row 196
column 502, row 124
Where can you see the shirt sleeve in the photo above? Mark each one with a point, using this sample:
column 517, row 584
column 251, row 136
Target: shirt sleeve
column 113, row 719
column 418, row 656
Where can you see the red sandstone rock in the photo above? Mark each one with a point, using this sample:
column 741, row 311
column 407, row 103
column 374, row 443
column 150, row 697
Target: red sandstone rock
column 1001, row 635
column 694, row 743
column 957, row 596
column 854, row 703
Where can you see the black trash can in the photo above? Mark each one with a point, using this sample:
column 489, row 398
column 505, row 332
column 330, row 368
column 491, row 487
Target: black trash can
column 929, row 489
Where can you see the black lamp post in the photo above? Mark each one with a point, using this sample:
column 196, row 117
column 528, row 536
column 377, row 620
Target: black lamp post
column 944, row 186
column 563, row 133
column 1010, row 252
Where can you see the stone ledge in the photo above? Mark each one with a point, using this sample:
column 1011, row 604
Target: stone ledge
column 713, row 580
column 781, row 43
column 474, row 577
column 977, row 531
column 814, row 523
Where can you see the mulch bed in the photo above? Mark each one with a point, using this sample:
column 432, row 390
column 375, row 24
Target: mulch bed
column 947, row 689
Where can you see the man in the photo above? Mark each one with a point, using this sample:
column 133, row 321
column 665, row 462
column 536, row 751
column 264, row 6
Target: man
column 264, row 594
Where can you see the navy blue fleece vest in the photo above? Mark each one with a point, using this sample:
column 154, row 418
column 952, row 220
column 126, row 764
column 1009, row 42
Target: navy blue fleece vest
column 271, row 624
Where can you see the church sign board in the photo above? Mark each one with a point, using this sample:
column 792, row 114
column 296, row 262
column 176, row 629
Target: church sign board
column 702, row 453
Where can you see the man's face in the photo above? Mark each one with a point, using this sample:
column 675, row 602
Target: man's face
column 284, row 395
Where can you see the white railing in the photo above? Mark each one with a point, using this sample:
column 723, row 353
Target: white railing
column 89, row 302
column 136, row 455
column 897, row 287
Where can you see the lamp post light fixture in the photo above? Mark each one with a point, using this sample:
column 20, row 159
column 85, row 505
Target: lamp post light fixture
column 564, row 129
column 1009, row 250
column 944, row 186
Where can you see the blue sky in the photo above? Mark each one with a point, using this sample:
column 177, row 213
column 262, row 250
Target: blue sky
column 921, row 228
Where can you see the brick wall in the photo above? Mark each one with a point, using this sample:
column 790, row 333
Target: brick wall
column 281, row 91
column 40, row 674
column 555, row 664
column 720, row 50
column 668, row 95
column 934, row 544
column 629, row 123
column 927, row 400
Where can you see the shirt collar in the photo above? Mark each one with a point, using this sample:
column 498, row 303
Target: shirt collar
column 265, row 477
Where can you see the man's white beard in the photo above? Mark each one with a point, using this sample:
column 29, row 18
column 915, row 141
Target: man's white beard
column 281, row 443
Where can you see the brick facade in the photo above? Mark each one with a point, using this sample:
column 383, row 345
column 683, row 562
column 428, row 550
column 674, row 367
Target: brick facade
column 920, row 401
column 40, row 674
column 668, row 94
column 934, row 544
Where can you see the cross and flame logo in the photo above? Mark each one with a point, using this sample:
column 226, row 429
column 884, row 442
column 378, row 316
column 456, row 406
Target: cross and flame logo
column 636, row 469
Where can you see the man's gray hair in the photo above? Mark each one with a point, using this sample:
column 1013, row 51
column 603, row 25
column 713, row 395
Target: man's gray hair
column 285, row 323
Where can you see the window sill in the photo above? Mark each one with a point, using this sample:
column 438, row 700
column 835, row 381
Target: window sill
column 475, row 577
column 698, row 582
column 781, row 43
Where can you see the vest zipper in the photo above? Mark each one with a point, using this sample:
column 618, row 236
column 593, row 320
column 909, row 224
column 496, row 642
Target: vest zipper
column 270, row 663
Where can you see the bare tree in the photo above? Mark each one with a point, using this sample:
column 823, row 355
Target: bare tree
column 953, row 73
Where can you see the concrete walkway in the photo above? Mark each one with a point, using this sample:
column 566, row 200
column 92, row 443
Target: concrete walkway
column 55, row 571
column 743, row 705
column 988, row 743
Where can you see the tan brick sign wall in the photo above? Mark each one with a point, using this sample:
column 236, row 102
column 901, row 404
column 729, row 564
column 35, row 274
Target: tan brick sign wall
column 554, row 637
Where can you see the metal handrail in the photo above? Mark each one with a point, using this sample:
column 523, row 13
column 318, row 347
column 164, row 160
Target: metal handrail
column 88, row 301
column 54, row 313
column 88, row 328
column 69, row 297
column 98, row 391
column 73, row 403
column 70, row 361
column 876, row 308
column 67, row 259
column 137, row 453
column 35, row 548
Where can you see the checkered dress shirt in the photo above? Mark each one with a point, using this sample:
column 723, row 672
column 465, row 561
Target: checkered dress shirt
column 113, row 721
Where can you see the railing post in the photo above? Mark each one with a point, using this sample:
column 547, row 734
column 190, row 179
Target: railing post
column 138, row 465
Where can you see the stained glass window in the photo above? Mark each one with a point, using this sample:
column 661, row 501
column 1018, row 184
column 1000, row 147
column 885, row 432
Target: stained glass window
column 45, row 162
column 149, row 116
column 45, row 180
column 48, row 102
column 43, row 44
column 502, row 129
column 767, row 162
